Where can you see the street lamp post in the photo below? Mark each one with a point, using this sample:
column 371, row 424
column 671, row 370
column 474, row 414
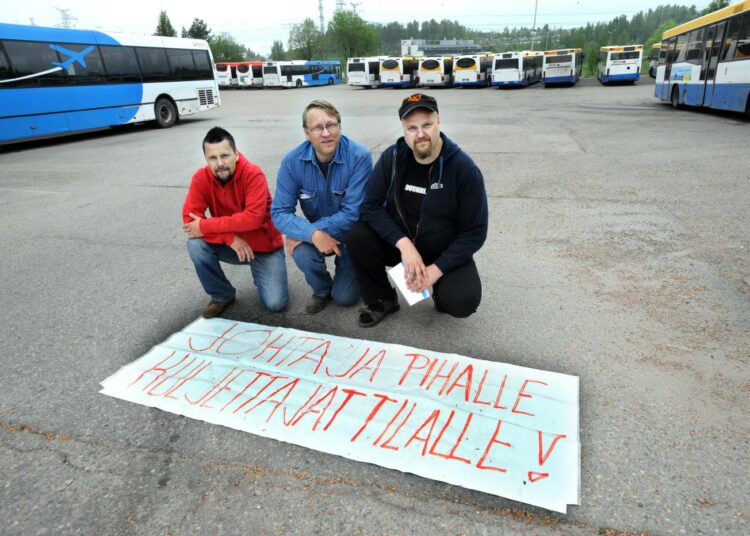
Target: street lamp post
column 536, row 4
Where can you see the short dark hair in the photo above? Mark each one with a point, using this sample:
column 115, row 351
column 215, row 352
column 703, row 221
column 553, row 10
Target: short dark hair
column 218, row 135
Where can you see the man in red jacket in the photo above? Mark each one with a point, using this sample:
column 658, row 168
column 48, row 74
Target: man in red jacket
column 239, row 230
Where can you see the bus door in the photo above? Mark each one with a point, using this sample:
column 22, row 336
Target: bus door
column 233, row 80
column 713, row 59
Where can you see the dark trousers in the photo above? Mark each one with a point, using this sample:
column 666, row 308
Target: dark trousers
column 457, row 292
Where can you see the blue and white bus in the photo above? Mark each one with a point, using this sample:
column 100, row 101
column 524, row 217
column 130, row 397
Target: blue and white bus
column 562, row 67
column 517, row 68
column 299, row 73
column 619, row 64
column 708, row 61
column 58, row 81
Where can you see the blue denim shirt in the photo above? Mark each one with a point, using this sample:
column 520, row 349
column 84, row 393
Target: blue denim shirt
column 330, row 203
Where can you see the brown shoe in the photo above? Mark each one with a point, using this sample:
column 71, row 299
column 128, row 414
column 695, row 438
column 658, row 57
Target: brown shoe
column 215, row 308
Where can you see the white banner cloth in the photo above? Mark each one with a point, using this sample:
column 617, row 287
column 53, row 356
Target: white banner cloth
column 501, row 429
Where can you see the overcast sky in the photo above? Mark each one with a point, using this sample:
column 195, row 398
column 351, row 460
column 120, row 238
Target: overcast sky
column 257, row 24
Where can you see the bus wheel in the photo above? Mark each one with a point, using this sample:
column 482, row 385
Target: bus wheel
column 166, row 113
column 675, row 100
column 299, row 83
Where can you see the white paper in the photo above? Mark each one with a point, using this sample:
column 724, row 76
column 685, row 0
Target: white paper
column 399, row 279
column 502, row 429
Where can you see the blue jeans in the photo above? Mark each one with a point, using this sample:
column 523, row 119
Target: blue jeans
column 343, row 287
column 268, row 269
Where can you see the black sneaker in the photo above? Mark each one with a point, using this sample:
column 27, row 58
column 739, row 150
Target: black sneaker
column 316, row 304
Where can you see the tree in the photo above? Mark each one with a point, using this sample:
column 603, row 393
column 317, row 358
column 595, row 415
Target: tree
column 224, row 47
column 277, row 51
column 164, row 27
column 352, row 36
column 199, row 30
column 714, row 5
column 306, row 39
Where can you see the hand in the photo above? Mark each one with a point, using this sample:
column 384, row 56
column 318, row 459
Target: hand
column 193, row 229
column 433, row 274
column 243, row 249
column 325, row 243
column 414, row 269
column 291, row 243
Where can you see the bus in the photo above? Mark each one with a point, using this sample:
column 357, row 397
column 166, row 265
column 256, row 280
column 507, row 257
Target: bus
column 517, row 68
column 562, row 66
column 226, row 74
column 708, row 61
column 249, row 74
column 435, row 71
column 473, row 70
column 363, row 72
column 398, row 71
column 619, row 64
column 59, row 81
column 299, row 73
column 653, row 59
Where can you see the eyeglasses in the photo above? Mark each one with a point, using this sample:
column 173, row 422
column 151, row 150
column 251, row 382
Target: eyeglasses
column 332, row 128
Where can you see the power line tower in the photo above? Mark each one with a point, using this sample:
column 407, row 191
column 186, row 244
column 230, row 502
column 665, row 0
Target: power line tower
column 68, row 21
column 340, row 6
column 355, row 5
column 320, row 11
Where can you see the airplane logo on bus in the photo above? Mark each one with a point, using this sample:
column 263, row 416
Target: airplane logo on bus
column 72, row 56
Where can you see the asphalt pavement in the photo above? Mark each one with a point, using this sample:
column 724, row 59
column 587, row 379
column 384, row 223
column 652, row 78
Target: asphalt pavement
column 617, row 252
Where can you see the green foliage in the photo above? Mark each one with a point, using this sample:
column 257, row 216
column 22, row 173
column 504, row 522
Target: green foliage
column 305, row 40
column 198, row 30
column 351, row 36
column 164, row 27
column 715, row 5
column 225, row 48
column 277, row 51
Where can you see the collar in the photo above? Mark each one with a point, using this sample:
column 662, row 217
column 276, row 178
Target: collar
column 308, row 152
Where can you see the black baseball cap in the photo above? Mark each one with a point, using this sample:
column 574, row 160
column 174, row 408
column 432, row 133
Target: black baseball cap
column 418, row 100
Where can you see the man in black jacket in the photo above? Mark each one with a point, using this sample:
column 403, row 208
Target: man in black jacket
column 426, row 207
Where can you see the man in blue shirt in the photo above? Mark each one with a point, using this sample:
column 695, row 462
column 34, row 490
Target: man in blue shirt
column 328, row 174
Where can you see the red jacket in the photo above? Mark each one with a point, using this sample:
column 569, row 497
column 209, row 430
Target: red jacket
column 242, row 206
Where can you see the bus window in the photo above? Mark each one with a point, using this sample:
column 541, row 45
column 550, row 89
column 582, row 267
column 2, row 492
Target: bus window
column 466, row 63
column 737, row 42
column 430, row 65
column 154, row 66
column 181, row 64
column 120, row 63
column 565, row 58
column 356, row 67
column 202, row 61
column 31, row 58
column 508, row 64
column 4, row 65
column 93, row 73
column 694, row 46
column 390, row 64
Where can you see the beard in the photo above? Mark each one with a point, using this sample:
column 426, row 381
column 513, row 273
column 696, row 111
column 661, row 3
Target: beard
column 423, row 153
column 223, row 181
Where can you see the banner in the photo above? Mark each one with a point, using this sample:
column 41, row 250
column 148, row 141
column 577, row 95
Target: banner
column 501, row 429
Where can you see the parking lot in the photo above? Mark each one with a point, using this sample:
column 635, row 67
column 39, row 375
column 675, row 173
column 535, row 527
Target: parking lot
column 617, row 252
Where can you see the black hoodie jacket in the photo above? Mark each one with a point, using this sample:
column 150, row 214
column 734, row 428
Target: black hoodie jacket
column 453, row 221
